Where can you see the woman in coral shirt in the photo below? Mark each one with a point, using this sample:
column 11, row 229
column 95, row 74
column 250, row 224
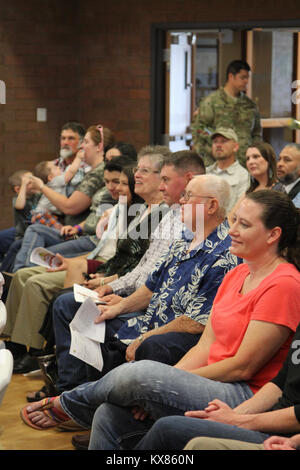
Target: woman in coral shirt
column 254, row 316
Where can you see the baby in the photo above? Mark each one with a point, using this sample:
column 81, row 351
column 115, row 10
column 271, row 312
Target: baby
column 51, row 175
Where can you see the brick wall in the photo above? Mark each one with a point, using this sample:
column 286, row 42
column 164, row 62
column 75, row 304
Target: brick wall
column 89, row 60
column 40, row 68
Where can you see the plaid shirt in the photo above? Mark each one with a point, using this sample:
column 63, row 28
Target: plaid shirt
column 48, row 219
column 168, row 230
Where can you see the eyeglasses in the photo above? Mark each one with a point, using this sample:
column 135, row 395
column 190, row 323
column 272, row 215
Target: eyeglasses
column 144, row 171
column 186, row 196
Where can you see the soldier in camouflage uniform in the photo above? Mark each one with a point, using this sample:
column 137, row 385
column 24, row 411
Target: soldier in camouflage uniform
column 228, row 107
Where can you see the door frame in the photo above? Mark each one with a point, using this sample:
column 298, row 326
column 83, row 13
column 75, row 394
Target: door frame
column 158, row 46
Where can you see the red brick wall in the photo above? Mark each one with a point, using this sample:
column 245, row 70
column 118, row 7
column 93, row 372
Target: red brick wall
column 39, row 67
column 89, row 60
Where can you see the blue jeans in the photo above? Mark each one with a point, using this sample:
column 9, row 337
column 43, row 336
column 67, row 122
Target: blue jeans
column 168, row 348
column 168, row 433
column 71, row 248
column 41, row 235
column 174, row 432
column 73, row 371
column 8, row 261
column 7, row 237
column 35, row 235
column 160, row 389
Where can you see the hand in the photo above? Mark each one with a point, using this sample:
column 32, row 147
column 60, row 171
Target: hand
column 131, row 349
column 104, row 290
column 37, row 183
column 216, row 411
column 107, row 313
column 111, row 299
column 94, row 281
column 279, row 443
column 68, row 231
column 139, row 413
column 80, row 154
column 25, row 180
column 62, row 267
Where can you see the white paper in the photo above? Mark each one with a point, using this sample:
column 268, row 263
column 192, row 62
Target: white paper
column 81, row 293
column 86, row 335
column 86, row 350
column 43, row 257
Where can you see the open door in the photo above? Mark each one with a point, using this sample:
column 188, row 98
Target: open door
column 178, row 91
column 190, row 63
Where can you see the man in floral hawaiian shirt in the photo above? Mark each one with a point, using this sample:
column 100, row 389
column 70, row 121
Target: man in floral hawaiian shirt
column 168, row 314
column 179, row 293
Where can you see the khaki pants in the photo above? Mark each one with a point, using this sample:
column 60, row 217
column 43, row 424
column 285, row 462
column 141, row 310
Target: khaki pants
column 213, row 443
column 29, row 295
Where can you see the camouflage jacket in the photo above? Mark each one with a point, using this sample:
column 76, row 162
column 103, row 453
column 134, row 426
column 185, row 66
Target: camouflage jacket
column 91, row 183
column 220, row 110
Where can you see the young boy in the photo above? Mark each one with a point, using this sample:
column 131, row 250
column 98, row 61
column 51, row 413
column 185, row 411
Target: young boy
column 24, row 201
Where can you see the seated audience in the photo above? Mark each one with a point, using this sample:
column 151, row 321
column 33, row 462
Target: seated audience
column 37, row 235
column 29, row 295
column 243, row 346
column 117, row 221
column 86, row 230
column 103, row 200
column 176, row 172
column 170, row 310
column 40, row 293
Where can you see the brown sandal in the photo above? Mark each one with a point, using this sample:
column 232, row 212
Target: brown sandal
column 37, row 396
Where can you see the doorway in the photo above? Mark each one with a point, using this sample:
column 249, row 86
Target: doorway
column 193, row 62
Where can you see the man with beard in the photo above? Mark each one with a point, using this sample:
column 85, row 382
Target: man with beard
column 288, row 171
column 71, row 136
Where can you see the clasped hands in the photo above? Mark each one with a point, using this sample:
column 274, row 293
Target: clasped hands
column 216, row 411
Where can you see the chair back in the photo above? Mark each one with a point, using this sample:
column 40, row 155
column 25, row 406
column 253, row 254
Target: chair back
column 6, row 369
column 3, row 316
column 2, row 282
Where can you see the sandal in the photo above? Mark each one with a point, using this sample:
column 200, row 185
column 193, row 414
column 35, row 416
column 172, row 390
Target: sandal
column 37, row 396
column 47, row 413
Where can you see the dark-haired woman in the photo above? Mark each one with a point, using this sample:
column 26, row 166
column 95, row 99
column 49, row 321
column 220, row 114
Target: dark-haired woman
column 116, row 220
column 121, row 148
column 261, row 164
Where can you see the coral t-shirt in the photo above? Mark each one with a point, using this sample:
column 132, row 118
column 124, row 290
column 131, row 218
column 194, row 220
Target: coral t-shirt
column 275, row 300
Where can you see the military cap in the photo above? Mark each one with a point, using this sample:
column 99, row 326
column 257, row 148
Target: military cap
column 228, row 133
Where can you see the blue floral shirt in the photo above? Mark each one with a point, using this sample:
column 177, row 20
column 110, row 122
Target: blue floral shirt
column 184, row 283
